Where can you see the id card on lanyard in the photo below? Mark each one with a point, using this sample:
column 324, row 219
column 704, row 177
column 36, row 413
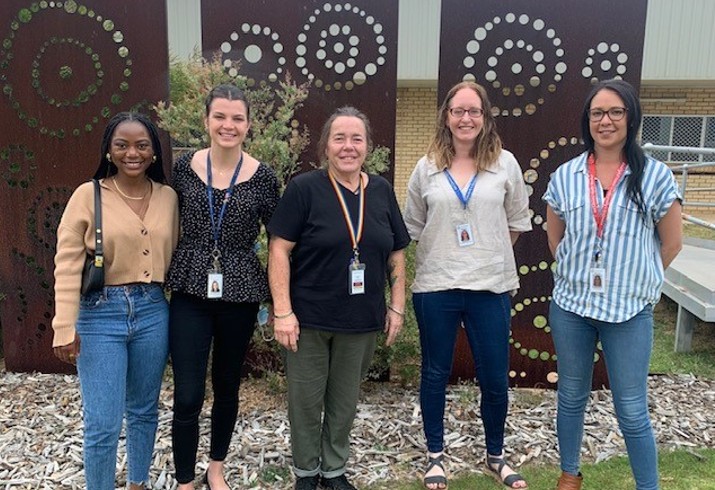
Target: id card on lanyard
column 214, row 280
column 598, row 279
column 356, row 269
column 465, row 235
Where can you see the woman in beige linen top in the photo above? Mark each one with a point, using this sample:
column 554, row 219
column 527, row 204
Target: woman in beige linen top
column 118, row 336
column 466, row 206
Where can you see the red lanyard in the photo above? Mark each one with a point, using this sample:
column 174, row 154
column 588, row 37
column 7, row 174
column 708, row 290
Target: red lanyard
column 355, row 236
column 600, row 215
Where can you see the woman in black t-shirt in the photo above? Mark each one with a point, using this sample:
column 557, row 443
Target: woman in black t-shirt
column 336, row 235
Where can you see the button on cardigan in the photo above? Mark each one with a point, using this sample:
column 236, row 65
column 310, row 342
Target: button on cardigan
column 135, row 250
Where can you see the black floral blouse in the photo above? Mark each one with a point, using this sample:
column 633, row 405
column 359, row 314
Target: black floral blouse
column 252, row 202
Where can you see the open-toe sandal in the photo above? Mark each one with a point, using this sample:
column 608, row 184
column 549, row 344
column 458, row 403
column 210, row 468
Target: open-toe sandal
column 439, row 480
column 500, row 463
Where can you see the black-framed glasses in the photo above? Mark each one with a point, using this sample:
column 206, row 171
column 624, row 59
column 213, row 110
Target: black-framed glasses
column 473, row 112
column 614, row 114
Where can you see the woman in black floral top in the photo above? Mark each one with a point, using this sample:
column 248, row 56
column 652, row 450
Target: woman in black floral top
column 216, row 279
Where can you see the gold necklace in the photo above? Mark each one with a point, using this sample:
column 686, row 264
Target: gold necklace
column 114, row 179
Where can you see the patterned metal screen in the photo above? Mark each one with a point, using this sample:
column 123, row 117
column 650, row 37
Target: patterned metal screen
column 347, row 50
column 65, row 68
column 538, row 61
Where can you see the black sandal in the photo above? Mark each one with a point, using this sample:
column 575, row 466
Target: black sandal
column 439, row 480
column 500, row 463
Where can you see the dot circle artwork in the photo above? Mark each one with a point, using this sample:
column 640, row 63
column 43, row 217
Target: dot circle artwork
column 603, row 62
column 22, row 297
column 18, row 166
column 531, row 175
column 13, row 70
column 535, row 63
column 249, row 43
column 539, row 321
column 65, row 73
column 44, row 216
column 329, row 38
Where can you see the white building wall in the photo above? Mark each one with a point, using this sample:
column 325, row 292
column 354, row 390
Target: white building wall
column 184, row 19
column 679, row 41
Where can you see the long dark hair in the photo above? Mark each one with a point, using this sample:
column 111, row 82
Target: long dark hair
column 107, row 168
column 634, row 154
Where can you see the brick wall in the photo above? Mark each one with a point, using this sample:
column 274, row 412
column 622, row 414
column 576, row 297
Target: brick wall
column 416, row 113
column 686, row 101
column 417, row 108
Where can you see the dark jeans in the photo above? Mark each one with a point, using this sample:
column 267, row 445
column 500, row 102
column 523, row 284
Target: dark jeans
column 486, row 318
column 193, row 323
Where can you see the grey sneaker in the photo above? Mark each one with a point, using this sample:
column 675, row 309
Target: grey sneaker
column 307, row 482
column 338, row 483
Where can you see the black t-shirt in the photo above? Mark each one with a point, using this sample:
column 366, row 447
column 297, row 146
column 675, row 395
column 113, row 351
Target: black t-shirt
column 310, row 215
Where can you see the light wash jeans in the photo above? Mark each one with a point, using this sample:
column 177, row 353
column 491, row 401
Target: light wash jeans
column 486, row 318
column 626, row 347
column 124, row 345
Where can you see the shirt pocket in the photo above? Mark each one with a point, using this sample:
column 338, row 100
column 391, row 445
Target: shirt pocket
column 630, row 222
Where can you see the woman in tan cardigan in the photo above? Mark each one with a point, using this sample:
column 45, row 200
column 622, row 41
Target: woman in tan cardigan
column 118, row 336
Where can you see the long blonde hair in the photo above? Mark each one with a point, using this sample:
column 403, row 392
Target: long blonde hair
column 487, row 146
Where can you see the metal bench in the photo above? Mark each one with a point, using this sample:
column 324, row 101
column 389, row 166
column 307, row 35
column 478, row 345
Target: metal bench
column 690, row 282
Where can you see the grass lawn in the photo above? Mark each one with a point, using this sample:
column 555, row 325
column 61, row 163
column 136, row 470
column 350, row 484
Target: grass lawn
column 679, row 470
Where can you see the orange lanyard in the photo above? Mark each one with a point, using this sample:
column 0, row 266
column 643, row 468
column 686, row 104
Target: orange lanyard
column 355, row 236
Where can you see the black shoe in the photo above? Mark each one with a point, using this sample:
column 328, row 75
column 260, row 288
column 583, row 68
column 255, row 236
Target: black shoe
column 307, row 482
column 337, row 483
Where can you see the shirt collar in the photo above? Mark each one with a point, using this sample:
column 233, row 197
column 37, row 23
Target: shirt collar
column 582, row 166
column 432, row 169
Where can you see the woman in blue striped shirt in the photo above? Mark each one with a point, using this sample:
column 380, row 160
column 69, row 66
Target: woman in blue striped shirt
column 614, row 224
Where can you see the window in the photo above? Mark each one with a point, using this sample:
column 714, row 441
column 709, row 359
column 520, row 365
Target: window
column 694, row 131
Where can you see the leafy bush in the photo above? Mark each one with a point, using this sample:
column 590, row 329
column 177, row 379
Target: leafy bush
column 276, row 137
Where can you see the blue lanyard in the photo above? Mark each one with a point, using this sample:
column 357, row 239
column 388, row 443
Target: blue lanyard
column 216, row 228
column 470, row 190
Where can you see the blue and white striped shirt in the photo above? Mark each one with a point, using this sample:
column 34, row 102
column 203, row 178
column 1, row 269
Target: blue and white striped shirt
column 630, row 248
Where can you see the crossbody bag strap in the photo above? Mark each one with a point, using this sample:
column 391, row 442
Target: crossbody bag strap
column 98, row 242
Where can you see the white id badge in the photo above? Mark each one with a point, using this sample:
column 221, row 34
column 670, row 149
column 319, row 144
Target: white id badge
column 465, row 237
column 356, row 276
column 214, row 287
column 598, row 280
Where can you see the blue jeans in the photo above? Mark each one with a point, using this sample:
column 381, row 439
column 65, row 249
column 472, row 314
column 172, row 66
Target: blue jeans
column 123, row 332
column 486, row 318
column 626, row 347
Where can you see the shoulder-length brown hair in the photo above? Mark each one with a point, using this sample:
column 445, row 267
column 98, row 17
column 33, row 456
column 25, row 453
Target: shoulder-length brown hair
column 486, row 148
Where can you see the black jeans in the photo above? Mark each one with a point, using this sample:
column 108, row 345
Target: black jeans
column 193, row 323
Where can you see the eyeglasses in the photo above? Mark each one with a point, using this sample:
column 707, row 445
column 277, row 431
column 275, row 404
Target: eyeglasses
column 473, row 112
column 614, row 114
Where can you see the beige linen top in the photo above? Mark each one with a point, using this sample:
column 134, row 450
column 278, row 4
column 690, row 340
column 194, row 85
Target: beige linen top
column 135, row 250
column 499, row 205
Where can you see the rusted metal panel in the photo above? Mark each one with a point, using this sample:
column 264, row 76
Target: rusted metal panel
column 348, row 50
column 538, row 61
column 65, row 68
